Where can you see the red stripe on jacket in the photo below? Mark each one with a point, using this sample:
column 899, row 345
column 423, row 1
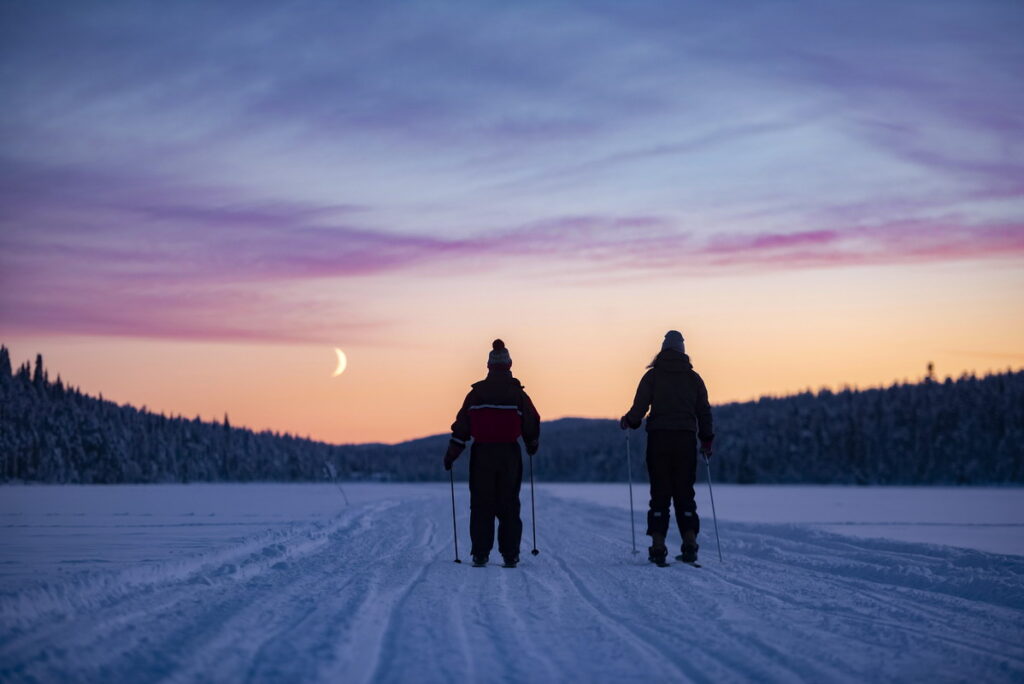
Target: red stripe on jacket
column 489, row 425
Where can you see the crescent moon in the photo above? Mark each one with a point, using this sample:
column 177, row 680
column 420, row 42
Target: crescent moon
column 342, row 363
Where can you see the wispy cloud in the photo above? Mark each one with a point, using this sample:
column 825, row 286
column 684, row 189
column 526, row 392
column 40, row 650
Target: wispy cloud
column 162, row 262
column 891, row 243
column 182, row 170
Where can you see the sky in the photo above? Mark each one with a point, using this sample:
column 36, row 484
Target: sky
column 199, row 201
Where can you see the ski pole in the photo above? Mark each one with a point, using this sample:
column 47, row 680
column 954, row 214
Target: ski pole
column 629, row 473
column 533, row 510
column 714, row 515
column 332, row 474
column 455, row 530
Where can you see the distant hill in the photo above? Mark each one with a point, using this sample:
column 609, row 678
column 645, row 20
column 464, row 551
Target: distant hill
column 964, row 431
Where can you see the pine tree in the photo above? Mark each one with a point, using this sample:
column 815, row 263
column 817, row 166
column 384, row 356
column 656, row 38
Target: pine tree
column 38, row 378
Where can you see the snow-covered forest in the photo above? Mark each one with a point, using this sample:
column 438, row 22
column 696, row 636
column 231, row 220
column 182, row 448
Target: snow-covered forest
column 968, row 430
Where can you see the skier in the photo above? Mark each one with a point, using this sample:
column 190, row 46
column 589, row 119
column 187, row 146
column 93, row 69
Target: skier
column 494, row 415
column 680, row 411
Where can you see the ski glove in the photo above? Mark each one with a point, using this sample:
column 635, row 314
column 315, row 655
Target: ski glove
column 531, row 447
column 454, row 449
column 705, row 447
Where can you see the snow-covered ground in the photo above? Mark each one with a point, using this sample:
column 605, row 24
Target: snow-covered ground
column 286, row 583
column 982, row 518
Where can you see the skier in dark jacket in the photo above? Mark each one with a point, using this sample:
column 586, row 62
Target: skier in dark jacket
column 680, row 412
column 494, row 415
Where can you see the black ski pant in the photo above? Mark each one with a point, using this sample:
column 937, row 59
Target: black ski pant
column 495, row 475
column 672, row 469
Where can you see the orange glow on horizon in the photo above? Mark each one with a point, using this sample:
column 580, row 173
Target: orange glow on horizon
column 579, row 353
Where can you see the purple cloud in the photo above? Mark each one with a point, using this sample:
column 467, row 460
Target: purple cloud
column 146, row 265
column 898, row 242
column 182, row 171
column 748, row 244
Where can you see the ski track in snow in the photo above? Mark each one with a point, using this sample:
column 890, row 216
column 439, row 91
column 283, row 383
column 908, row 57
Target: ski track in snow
column 373, row 595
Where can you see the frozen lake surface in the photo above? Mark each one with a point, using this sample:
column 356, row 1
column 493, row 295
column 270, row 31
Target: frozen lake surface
column 274, row 582
column 982, row 518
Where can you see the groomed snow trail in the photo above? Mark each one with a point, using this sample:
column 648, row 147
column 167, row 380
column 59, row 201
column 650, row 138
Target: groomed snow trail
column 373, row 595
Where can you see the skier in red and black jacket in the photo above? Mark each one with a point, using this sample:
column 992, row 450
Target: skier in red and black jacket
column 495, row 414
column 680, row 413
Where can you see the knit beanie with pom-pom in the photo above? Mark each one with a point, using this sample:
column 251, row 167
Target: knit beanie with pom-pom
column 499, row 356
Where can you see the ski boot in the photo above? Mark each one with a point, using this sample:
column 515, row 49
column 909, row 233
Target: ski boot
column 657, row 552
column 689, row 553
column 689, row 549
column 510, row 561
column 479, row 561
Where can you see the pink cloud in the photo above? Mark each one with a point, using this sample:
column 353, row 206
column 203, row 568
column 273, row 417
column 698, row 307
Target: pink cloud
column 730, row 244
column 887, row 243
column 144, row 262
column 223, row 285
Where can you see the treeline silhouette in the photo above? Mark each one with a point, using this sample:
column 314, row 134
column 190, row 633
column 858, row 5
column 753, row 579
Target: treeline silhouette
column 50, row 432
column 964, row 431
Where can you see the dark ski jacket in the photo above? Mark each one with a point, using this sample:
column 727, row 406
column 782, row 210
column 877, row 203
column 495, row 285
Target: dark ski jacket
column 676, row 396
column 497, row 409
